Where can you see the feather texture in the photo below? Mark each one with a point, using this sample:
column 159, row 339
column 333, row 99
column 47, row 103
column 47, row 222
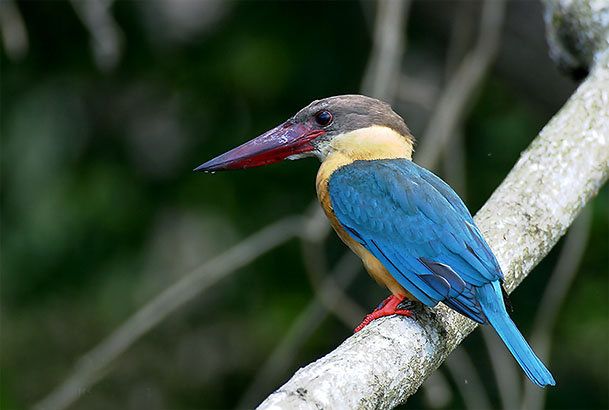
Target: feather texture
column 418, row 228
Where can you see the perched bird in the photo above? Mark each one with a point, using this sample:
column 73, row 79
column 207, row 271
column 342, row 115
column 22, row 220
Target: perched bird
column 411, row 230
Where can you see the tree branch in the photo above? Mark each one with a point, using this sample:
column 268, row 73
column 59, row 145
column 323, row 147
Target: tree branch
column 561, row 170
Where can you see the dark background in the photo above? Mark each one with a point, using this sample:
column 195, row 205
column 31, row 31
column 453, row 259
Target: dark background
column 101, row 212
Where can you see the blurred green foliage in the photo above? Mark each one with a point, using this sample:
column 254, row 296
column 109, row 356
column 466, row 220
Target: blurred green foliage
column 100, row 210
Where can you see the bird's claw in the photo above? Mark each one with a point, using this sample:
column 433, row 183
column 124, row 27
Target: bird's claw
column 393, row 305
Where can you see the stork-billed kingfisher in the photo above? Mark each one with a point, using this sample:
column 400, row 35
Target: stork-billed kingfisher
column 412, row 231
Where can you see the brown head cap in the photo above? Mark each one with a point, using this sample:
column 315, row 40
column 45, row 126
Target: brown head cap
column 352, row 112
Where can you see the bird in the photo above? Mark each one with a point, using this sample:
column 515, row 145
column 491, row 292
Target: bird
column 411, row 230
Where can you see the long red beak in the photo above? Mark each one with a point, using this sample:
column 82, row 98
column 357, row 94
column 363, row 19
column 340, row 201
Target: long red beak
column 272, row 146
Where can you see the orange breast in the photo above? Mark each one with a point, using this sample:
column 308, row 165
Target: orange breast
column 374, row 267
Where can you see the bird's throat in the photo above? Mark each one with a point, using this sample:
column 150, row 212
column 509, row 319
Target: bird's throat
column 371, row 143
column 376, row 142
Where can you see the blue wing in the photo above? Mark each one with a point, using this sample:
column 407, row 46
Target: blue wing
column 418, row 227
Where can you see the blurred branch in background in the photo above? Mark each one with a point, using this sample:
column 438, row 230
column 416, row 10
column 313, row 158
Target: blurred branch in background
column 555, row 296
column 417, row 91
column 455, row 163
column 437, row 392
column 577, row 33
column 505, row 369
column 383, row 69
column 327, row 291
column 457, row 96
column 93, row 365
column 461, row 38
column 106, row 36
column 466, row 378
column 14, row 33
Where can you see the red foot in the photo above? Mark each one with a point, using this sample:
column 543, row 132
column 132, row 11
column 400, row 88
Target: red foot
column 387, row 308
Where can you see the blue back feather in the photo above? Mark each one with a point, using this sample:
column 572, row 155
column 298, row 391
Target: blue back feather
column 418, row 227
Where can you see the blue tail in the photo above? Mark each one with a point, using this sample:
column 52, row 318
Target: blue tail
column 491, row 301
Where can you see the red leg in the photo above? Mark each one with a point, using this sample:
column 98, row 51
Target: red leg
column 387, row 308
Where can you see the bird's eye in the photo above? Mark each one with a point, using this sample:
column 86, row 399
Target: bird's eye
column 323, row 118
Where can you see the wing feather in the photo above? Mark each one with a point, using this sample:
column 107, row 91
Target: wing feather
column 418, row 227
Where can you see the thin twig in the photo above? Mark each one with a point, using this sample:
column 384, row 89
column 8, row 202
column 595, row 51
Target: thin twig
column 458, row 94
column 92, row 365
column 555, row 296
